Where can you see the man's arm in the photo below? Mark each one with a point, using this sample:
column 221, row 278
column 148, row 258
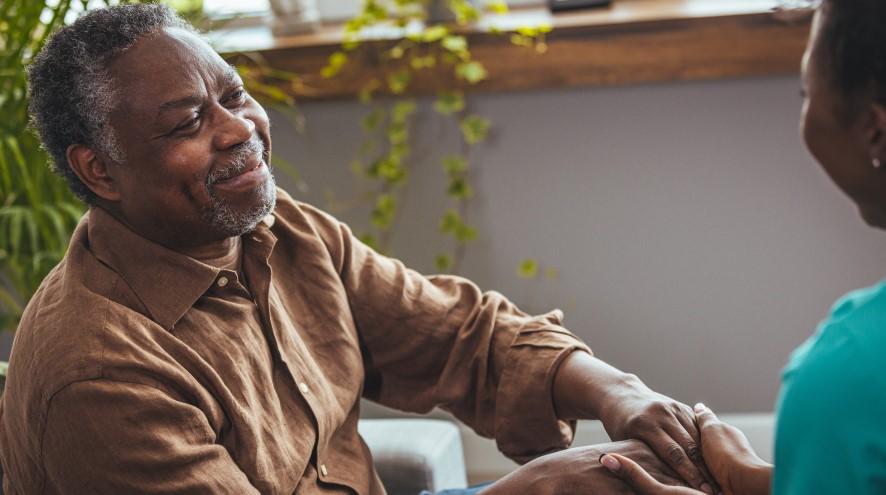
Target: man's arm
column 588, row 388
column 441, row 341
column 104, row 436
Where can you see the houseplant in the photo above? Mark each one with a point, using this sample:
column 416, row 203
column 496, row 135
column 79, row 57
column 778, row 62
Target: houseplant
column 37, row 210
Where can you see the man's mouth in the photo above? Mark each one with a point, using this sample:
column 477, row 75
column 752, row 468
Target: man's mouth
column 251, row 165
column 245, row 159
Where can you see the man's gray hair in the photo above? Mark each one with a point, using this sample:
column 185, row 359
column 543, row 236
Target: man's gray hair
column 72, row 93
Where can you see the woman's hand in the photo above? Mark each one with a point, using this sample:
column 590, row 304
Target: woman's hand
column 729, row 456
column 642, row 482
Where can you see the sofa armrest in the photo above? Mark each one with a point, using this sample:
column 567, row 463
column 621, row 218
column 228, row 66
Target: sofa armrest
column 412, row 455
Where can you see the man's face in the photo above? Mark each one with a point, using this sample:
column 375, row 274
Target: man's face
column 196, row 145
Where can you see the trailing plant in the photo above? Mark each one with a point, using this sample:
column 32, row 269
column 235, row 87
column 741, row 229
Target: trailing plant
column 37, row 210
column 385, row 158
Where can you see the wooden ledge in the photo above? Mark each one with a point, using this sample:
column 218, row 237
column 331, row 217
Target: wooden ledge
column 634, row 41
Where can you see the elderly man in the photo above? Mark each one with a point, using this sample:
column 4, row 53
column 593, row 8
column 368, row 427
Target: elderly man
column 206, row 333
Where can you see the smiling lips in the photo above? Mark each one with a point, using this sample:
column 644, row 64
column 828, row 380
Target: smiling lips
column 254, row 174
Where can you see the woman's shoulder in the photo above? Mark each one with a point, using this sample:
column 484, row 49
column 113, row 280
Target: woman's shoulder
column 846, row 357
column 832, row 400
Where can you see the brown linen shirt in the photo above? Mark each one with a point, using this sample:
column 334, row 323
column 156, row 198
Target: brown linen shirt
column 137, row 369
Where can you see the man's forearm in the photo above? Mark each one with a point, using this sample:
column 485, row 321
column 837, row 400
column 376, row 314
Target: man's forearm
column 582, row 385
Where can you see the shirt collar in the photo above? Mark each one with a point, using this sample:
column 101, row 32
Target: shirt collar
column 168, row 283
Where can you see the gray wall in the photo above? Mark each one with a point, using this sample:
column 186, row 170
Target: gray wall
column 697, row 241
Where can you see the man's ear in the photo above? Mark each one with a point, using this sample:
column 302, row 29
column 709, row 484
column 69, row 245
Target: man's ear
column 93, row 171
column 877, row 132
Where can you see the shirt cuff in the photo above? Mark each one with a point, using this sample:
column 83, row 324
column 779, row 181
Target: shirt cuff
column 526, row 423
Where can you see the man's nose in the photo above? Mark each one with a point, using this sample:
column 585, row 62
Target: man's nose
column 233, row 130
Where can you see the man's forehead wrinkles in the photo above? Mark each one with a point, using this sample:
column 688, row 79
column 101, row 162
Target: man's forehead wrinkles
column 229, row 77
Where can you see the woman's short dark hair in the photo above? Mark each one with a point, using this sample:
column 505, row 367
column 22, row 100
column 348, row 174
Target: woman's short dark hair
column 71, row 92
column 853, row 40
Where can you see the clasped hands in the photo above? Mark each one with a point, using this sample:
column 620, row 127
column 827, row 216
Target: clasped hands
column 662, row 447
column 735, row 466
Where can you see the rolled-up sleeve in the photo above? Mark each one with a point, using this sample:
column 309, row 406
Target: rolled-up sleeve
column 439, row 341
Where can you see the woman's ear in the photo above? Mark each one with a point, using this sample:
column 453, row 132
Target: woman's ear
column 93, row 171
column 876, row 134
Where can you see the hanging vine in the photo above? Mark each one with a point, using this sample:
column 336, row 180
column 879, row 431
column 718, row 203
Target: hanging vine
column 386, row 158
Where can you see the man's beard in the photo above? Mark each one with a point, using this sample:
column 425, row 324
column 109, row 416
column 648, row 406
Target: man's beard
column 229, row 219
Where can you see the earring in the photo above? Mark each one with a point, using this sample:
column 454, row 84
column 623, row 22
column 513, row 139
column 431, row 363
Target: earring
column 876, row 163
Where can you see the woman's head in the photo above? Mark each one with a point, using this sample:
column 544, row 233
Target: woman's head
column 844, row 110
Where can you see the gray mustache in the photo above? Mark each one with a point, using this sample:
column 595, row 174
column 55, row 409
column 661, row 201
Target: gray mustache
column 239, row 159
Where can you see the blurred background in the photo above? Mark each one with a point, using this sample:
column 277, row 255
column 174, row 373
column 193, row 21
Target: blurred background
column 637, row 165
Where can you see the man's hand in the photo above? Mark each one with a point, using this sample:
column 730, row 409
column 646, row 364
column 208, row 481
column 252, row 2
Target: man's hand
column 727, row 452
column 587, row 388
column 578, row 471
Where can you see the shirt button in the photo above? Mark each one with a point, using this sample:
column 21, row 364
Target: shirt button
column 222, row 281
column 323, row 470
column 303, row 387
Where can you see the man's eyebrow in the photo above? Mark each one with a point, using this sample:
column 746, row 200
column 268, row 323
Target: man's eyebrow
column 229, row 77
column 187, row 101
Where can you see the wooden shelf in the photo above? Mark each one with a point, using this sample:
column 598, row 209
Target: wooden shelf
column 634, row 41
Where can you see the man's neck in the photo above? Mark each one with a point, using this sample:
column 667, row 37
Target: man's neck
column 220, row 254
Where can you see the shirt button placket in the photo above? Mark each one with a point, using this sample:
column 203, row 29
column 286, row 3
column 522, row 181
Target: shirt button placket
column 222, row 281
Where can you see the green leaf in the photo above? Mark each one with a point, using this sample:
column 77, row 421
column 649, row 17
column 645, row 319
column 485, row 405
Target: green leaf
column 434, row 33
column 521, row 40
column 474, row 129
column 419, row 63
column 459, row 189
column 450, row 221
column 465, row 12
column 456, row 44
column 443, row 262
column 368, row 90
column 449, row 103
column 455, row 165
column 382, row 215
column 472, row 72
column 534, row 31
column 528, row 268
column 399, row 81
column 465, row 233
column 373, row 119
column 391, row 170
column 397, row 52
column 403, row 110
column 397, row 133
column 335, row 64
column 497, row 7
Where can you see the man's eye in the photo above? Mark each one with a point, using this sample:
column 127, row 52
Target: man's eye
column 191, row 124
column 238, row 95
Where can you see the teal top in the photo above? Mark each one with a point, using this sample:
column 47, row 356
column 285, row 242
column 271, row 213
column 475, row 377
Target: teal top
column 831, row 429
